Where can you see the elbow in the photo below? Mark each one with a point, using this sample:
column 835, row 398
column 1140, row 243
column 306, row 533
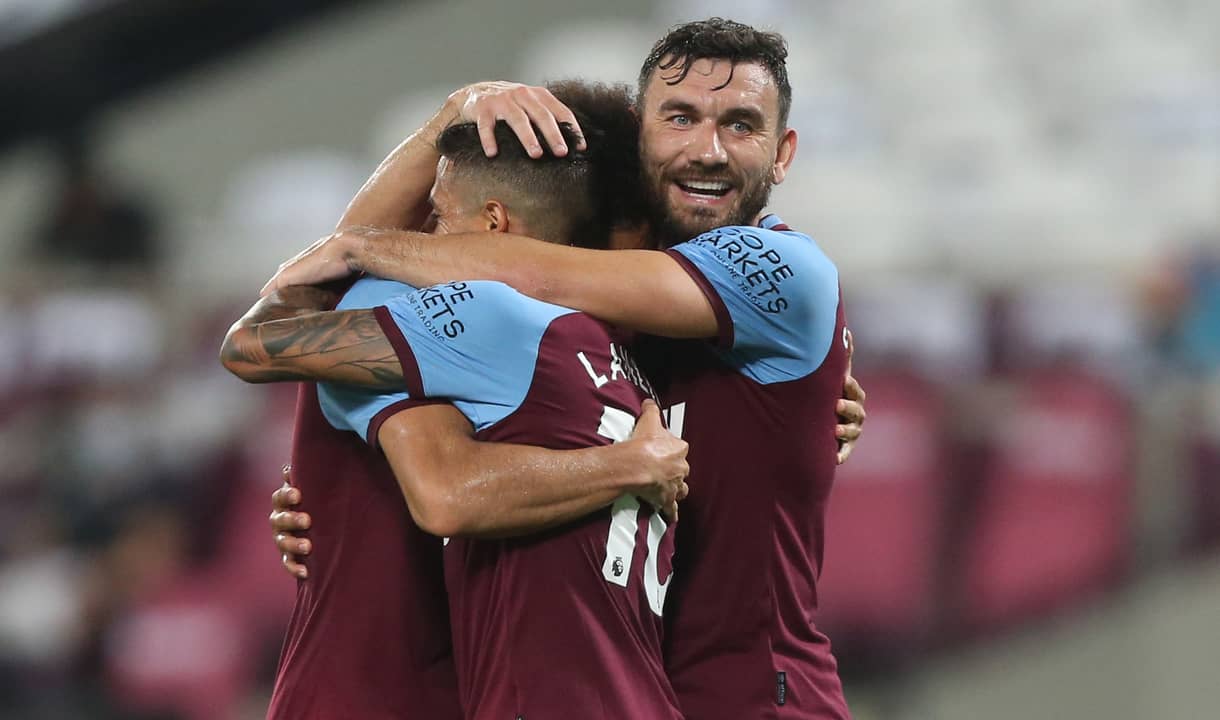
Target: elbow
column 439, row 520
column 234, row 358
column 436, row 511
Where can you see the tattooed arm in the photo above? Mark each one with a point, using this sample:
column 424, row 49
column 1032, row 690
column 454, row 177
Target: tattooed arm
column 290, row 336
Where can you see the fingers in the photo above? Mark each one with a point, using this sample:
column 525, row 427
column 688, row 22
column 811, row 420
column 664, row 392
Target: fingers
column 850, row 411
column 650, row 418
column 289, row 521
column 670, row 511
column 848, row 433
column 487, row 133
column 548, row 114
column 293, row 567
column 563, row 114
column 293, row 545
column 285, row 498
column 852, row 390
column 845, row 450
column 292, row 553
column 519, row 121
column 529, row 111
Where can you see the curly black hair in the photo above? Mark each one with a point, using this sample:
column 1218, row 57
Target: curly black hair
column 719, row 39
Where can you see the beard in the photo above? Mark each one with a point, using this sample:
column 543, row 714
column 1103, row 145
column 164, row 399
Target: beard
column 670, row 227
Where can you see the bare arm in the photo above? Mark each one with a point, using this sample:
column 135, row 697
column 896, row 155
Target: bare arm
column 457, row 486
column 640, row 290
column 287, row 336
column 396, row 194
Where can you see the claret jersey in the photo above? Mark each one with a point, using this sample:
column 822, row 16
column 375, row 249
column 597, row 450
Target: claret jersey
column 369, row 634
column 565, row 623
column 758, row 409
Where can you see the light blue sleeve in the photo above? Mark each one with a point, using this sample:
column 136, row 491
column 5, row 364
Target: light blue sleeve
column 351, row 408
column 472, row 343
column 776, row 297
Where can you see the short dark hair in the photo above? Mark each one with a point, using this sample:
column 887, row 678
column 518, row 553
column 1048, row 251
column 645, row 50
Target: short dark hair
column 719, row 39
column 577, row 198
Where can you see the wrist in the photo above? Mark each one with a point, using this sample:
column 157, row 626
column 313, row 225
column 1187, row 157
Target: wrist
column 631, row 461
column 447, row 114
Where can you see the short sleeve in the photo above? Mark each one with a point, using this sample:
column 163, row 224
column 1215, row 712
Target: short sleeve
column 357, row 409
column 471, row 343
column 775, row 294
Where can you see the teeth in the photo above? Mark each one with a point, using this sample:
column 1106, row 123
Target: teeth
column 712, row 186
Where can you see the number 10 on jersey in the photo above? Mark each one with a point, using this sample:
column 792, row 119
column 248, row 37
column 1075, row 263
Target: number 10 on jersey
column 624, row 526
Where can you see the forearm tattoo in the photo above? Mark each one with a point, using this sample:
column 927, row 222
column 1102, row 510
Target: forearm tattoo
column 341, row 346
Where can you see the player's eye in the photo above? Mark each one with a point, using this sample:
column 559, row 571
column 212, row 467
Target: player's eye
column 681, row 120
column 740, row 127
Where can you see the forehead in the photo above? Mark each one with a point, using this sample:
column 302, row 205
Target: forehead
column 714, row 85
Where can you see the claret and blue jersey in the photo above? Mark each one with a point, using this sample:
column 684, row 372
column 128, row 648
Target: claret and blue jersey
column 564, row 623
column 758, row 409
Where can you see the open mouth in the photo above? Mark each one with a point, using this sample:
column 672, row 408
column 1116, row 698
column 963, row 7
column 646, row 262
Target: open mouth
column 708, row 189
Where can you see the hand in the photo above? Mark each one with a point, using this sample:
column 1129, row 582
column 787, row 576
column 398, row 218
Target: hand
column 327, row 259
column 287, row 524
column 663, row 460
column 850, row 409
column 518, row 105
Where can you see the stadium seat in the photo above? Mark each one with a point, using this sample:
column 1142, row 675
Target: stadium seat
column 182, row 653
column 1052, row 521
column 879, row 585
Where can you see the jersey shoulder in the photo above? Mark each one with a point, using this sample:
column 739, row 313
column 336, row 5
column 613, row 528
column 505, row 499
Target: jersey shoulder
column 775, row 294
column 473, row 343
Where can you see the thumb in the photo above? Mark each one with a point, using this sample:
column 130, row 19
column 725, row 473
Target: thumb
column 650, row 418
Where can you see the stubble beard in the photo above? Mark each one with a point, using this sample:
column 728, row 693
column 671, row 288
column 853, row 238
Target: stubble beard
column 668, row 228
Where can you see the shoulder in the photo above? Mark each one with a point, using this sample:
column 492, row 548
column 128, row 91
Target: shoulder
column 490, row 307
column 773, row 265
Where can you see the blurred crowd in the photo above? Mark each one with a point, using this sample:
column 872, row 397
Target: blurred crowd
column 136, row 578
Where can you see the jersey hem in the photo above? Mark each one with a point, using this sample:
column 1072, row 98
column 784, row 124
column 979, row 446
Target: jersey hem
column 411, row 377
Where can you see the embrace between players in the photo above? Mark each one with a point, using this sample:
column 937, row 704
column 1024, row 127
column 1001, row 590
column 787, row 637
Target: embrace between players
column 521, row 313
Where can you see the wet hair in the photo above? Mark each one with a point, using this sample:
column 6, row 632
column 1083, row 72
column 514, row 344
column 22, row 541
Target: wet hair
column 575, row 199
column 719, row 39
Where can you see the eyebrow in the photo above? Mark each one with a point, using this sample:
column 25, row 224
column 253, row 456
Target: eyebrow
column 746, row 113
column 750, row 115
column 682, row 106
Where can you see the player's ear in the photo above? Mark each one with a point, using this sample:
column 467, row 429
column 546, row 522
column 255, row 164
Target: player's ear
column 495, row 216
column 784, row 155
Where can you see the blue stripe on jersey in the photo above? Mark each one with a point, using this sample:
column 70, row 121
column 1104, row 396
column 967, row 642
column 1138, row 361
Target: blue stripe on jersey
column 782, row 294
column 352, row 408
column 475, row 343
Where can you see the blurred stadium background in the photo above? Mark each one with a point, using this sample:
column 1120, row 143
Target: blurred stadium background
column 1024, row 200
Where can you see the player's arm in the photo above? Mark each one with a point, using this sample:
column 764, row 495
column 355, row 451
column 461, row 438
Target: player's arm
column 455, row 485
column 288, row 336
column 639, row 290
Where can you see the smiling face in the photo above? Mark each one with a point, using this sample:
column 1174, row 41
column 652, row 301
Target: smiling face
column 711, row 146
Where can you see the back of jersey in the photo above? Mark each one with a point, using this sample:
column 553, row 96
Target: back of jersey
column 565, row 623
column 369, row 635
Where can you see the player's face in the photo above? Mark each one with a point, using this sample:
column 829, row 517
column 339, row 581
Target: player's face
column 710, row 154
column 451, row 211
